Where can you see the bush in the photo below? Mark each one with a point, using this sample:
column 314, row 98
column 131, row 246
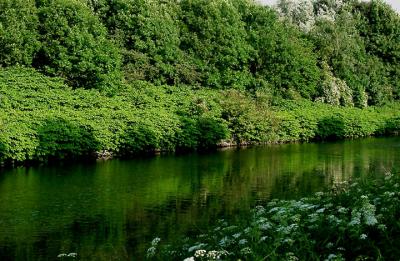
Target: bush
column 75, row 46
column 214, row 37
column 392, row 126
column 247, row 121
column 59, row 138
column 149, row 33
column 18, row 32
column 42, row 118
column 304, row 121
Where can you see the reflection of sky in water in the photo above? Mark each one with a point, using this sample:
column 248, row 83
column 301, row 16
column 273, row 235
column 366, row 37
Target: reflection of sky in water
column 115, row 208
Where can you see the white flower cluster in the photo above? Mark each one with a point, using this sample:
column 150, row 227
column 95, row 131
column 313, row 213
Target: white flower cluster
column 152, row 250
column 304, row 13
column 73, row 255
column 200, row 253
column 155, row 241
column 210, row 255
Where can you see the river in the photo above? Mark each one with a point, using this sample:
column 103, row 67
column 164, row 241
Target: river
column 111, row 210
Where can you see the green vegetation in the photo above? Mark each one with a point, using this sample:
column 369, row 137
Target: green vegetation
column 42, row 118
column 356, row 221
column 132, row 76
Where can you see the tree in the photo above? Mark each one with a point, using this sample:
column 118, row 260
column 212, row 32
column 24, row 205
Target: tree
column 282, row 59
column 379, row 26
column 149, row 33
column 75, row 47
column 18, row 32
column 340, row 46
column 214, row 35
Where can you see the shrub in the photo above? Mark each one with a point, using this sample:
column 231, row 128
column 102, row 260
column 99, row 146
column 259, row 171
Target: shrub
column 18, row 32
column 75, row 47
column 43, row 118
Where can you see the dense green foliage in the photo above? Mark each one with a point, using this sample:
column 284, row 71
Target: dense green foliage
column 99, row 78
column 339, row 53
column 356, row 221
column 42, row 118
column 74, row 46
column 143, row 75
column 18, row 32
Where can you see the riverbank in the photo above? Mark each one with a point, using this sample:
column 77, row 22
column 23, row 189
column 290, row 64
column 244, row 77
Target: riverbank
column 353, row 221
column 42, row 119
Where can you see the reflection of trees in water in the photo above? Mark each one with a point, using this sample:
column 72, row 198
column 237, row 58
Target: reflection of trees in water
column 114, row 209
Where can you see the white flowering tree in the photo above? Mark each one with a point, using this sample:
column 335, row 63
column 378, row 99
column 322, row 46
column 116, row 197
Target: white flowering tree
column 304, row 13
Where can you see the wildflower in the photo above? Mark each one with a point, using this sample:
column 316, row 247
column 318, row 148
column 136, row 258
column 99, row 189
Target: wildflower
column 213, row 255
column 73, row 255
column 242, row 241
column 155, row 241
column 260, row 210
column 189, row 259
column 370, row 220
column 382, row 227
column 333, row 219
column 246, row 251
column 151, row 252
column 291, row 257
column 264, row 226
column 296, row 218
column 200, row 253
column 356, row 218
column 288, row 241
column 313, row 217
column 363, row 236
column 369, row 214
column 329, row 245
column 275, row 209
column 281, row 212
column 389, row 194
column 237, row 235
column 62, row 255
column 225, row 241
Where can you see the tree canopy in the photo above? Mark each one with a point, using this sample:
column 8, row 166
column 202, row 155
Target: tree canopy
column 340, row 52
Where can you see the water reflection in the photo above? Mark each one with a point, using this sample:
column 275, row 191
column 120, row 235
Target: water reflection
column 111, row 210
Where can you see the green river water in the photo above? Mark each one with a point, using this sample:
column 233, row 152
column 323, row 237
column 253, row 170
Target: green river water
column 112, row 210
